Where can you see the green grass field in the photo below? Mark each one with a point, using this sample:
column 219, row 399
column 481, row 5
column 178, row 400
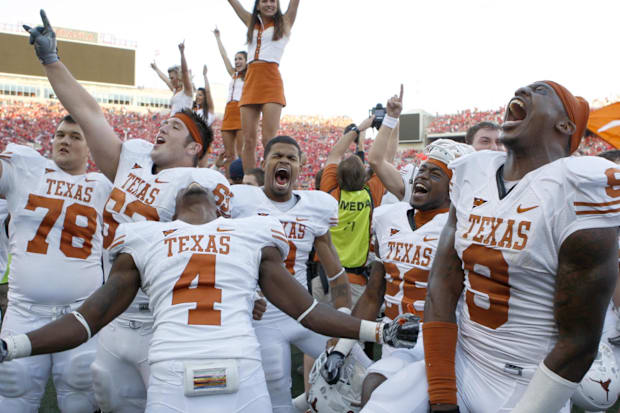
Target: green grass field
column 48, row 405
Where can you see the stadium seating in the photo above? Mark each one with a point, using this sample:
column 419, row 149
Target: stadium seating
column 33, row 123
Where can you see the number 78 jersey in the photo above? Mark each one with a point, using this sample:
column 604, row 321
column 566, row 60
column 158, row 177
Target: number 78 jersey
column 200, row 281
column 509, row 248
column 55, row 228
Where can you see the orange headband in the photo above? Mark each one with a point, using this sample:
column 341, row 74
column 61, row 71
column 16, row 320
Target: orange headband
column 191, row 126
column 577, row 109
column 442, row 165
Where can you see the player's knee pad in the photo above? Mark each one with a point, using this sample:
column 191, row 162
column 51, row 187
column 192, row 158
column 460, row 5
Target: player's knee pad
column 103, row 388
column 273, row 362
column 76, row 402
column 78, row 374
column 15, row 379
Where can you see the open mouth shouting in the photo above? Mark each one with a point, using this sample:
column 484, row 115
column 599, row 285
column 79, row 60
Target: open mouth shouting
column 421, row 191
column 282, row 178
column 159, row 139
column 516, row 112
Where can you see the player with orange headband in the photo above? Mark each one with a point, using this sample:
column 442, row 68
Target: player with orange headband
column 263, row 91
column 147, row 178
column 531, row 240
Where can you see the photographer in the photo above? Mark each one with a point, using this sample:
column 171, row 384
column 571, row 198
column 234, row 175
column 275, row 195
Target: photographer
column 346, row 180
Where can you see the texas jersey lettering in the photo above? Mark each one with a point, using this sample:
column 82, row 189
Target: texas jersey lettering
column 407, row 256
column 200, row 281
column 55, row 217
column 509, row 248
column 312, row 216
column 140, row 195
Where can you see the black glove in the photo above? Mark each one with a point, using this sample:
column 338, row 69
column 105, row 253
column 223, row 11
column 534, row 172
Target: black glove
column 44, row 40
column 332, row 368
column 402, row 331
column 3, row 351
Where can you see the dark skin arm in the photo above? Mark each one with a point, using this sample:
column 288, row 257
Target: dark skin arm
column 369, row 304
column 103, row 306
column 587, row 274
column 445, row 283
column 274, row 279
column 339, row 288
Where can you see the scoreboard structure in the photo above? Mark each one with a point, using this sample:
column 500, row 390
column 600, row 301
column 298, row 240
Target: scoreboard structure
column 87, row 60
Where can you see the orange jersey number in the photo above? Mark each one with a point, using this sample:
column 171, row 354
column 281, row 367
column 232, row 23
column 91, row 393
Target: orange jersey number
column 495, row 286
column 117, row 201
column 70, row 230
column 205, row 294
column 411, row 293
column 289, row 262
column 613, row 188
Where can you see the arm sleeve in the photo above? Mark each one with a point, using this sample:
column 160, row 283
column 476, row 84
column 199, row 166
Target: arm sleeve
column 591, row 195
column 18, row 162
column 329, row 180
column 125, row 243
column 275, row 236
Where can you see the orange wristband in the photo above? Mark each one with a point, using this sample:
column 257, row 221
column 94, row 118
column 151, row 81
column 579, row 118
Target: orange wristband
column 439, row 350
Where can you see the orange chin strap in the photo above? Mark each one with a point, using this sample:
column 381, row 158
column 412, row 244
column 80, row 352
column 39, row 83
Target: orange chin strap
column 439, row 351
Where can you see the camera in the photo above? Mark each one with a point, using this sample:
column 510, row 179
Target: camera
column 379, row 111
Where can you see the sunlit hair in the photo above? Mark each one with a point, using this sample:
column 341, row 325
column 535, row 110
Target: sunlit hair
column 351, row 174
column 278, row 23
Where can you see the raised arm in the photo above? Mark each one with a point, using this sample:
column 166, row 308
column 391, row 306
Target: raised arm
column 210, row 106
column 340, row 148
column 103, row 306
column 392, row 148
column 229, row 67
column 587, row 273
column 381, row 154
column 339, row 287
column 188, row 88
column 162, row 76
column 321, row 318
column 103, row 143
column 445, row 285
column 291, row 13
column 244, row 15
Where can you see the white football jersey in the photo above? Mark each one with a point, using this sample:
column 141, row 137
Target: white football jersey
column 407, row 256
column 312, row 216
column 200, row 281
column 4, row 240
column 141, row 195
column 509, row 248
column 56, row 228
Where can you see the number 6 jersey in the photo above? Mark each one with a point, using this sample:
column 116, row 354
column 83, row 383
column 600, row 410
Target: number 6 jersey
column 55, row 229
column 200, row 281
column 509, row 247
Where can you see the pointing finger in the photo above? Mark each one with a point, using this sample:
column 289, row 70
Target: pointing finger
column 45, row 20
column 401, row 92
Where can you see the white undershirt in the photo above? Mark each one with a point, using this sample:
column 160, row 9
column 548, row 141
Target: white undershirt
column 286, row 205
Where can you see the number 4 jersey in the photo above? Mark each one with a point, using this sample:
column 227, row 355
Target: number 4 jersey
column 141, row 195
column 201, row 280
column 55, row 229
column 509, row 247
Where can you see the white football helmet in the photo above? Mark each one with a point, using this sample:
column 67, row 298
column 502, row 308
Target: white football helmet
column 344, row 396
column 600, row 387
column 447, row 150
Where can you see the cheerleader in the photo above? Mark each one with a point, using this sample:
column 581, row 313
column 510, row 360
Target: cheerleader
column 231, row 124
column 263, row 92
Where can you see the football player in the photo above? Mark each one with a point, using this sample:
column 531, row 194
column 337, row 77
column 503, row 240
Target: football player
column 200, row 274
column 56, row 244
column 306, row 217
column 406, row 236
column 146, row 180
column 531, row 241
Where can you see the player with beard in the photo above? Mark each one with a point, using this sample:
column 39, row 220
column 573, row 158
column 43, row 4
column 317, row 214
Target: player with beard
column 205, row 356
column 306, row 217
column 56, row 245
column 146, row 180
column 406, row 239
column 531, row 241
